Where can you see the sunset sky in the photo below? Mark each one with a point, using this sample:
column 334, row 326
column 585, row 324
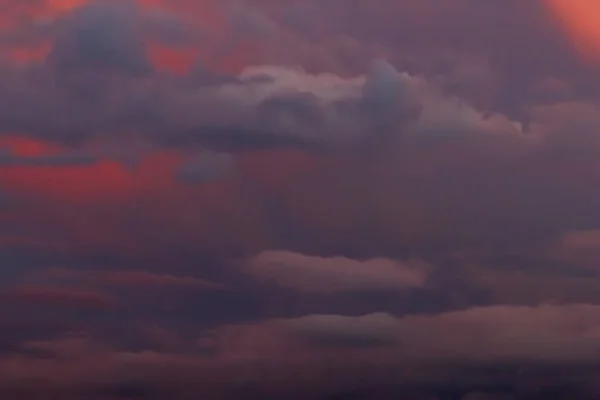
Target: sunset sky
column 300, row 199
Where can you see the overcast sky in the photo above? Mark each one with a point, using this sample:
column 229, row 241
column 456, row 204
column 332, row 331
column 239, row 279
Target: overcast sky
column 311, row 199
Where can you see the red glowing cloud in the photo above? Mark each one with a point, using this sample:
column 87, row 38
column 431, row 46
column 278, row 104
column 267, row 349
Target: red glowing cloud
column 581, row 20
column 115, row 200
column 15, row 13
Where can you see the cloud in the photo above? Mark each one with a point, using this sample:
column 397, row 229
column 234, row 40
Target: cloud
column 319, row 274
column 525, row 335
column 578, row 248
column 207, row 167
column 579, row 20
column 581, row 240
column 281, row 101
column 169, row 27
column 416, row 360
column 130, row 279
column 7, row 159
column 65, row 296
column 334, row 330
column 5, row 200
column 297, row 197
column 100, row 36
column 524, row 282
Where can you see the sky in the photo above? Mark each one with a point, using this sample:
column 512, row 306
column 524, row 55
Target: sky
column 265, row 199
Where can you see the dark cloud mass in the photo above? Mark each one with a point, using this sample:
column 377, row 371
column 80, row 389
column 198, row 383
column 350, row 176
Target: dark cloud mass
column 282, row 199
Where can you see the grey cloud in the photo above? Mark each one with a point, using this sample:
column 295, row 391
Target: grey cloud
column 290, row 107
column 279, row 112
column 302, row 108
column 334, row 330
column 384, row 86
column 100, row 37
column 99, row 54
column 449, row 43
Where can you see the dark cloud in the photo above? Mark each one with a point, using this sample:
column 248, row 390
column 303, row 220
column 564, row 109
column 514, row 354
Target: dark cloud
column 67, row 296
column 5, row 200
column 127, row 279
column 7, row 159
column 100, row 37
column 334, row 330
column 207, row 167
column 474, row 357
column 297, row 200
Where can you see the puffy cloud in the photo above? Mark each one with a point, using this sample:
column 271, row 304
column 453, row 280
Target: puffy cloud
column 319, row 274
column 289, row 102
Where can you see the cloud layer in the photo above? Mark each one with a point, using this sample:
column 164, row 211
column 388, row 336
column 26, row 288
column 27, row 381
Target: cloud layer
column 311, row 199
